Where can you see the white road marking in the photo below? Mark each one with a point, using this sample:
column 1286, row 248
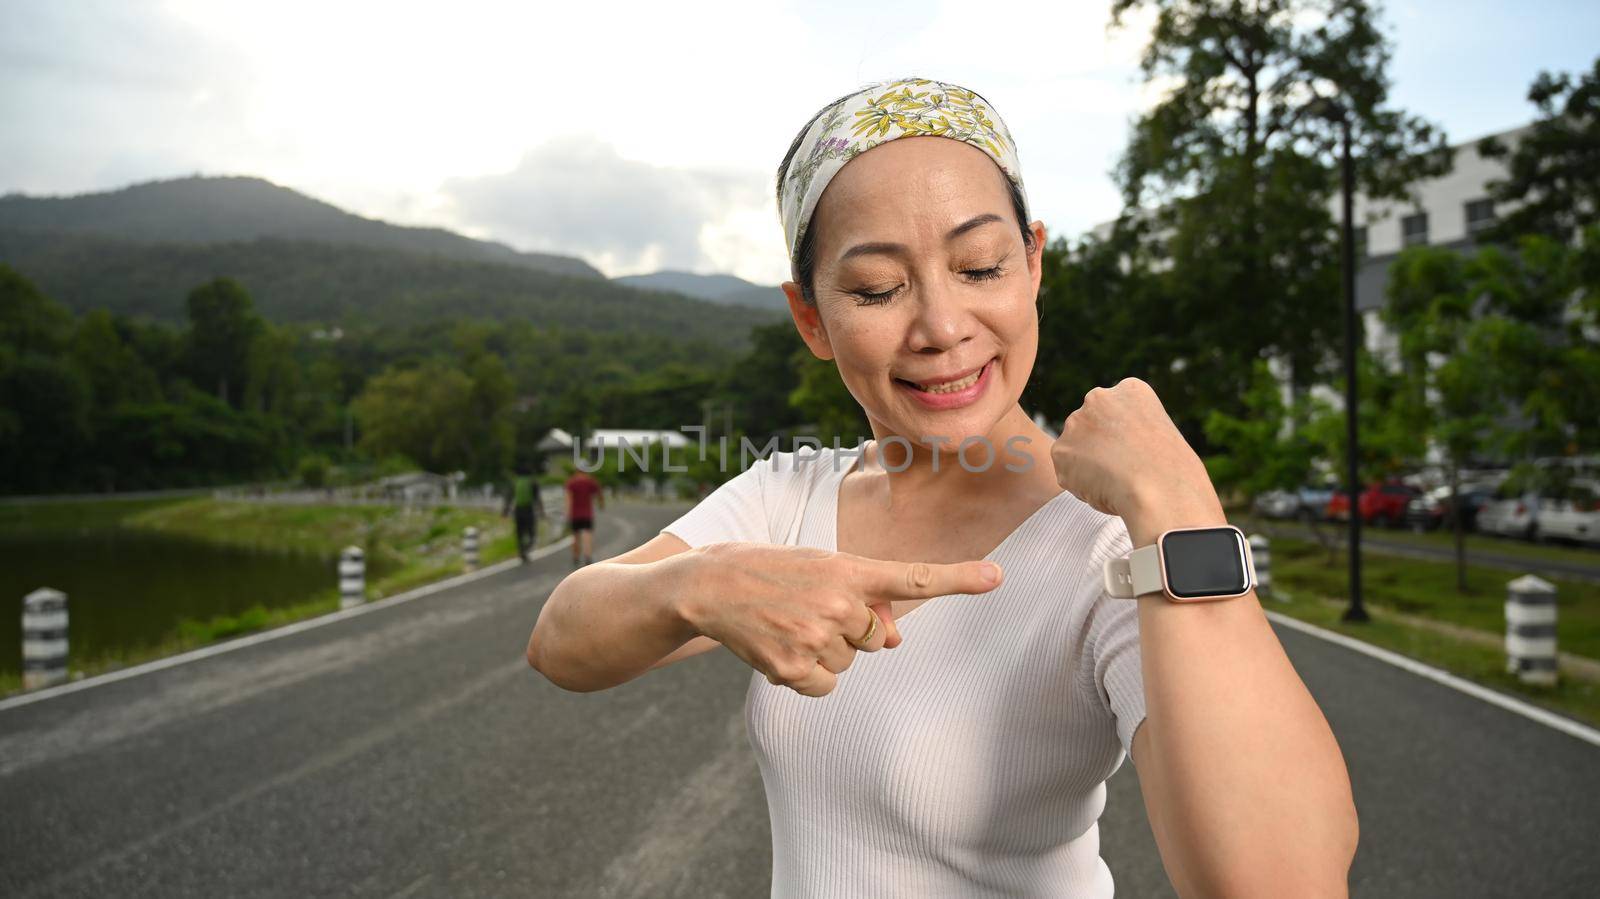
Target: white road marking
column 1445, row 678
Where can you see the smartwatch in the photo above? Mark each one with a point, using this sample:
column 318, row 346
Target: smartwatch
column 1186, row 565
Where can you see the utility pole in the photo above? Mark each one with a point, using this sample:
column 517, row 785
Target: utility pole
column 1352, row 334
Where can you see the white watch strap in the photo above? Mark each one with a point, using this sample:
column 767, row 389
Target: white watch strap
column 1135, row 574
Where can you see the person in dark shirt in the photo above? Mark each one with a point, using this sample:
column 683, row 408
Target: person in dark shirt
column 523, row 501
column 582, row 492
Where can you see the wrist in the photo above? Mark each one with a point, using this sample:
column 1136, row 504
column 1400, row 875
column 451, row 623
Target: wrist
column 680, row 599
column 1156, row 510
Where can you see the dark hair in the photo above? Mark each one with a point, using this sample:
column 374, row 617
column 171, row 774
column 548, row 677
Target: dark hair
column 804, row 262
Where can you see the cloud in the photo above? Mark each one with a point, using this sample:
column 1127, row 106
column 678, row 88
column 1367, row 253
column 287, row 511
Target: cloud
column 576, row 195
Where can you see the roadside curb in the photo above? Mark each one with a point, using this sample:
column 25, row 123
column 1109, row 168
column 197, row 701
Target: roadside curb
column 273, row 634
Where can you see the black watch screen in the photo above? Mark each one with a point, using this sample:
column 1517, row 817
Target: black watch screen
column 1205, row 562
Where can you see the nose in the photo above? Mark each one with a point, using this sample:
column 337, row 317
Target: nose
column 941, row 322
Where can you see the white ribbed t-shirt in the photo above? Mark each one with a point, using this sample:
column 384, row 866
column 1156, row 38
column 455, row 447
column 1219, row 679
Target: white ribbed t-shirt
column 970, row 760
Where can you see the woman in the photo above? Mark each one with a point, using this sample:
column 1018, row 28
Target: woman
column 970, row 758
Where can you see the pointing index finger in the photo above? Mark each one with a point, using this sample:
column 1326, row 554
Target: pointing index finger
column 925, row 580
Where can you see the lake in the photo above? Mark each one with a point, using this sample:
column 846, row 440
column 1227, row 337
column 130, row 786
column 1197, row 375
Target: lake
column 127, row 589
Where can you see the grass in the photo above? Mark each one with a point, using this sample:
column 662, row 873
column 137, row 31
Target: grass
column 1428, row 589
column 1503, row 546
column 418, row 547
column 1318, row 594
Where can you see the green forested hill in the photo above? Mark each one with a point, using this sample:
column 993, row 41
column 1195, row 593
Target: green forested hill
column 211, row 209
column 301, row 281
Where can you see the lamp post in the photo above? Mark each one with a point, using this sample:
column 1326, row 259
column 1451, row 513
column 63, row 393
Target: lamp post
column 1334, row 110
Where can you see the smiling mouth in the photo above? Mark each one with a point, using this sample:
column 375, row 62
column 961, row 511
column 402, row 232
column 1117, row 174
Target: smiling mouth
column 953, row 385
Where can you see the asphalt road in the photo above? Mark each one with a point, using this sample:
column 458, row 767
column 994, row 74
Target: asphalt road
column 412, row 752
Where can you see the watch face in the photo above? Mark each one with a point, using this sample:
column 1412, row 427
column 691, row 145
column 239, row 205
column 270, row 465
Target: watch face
column 1204, row 562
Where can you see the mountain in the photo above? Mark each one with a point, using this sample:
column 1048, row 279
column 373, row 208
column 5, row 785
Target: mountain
column 726, row 290
column 305, row 281
column 223, row 209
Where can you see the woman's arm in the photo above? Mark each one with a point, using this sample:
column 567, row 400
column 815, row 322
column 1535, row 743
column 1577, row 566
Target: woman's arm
column 1246, row 789
column 1245, row 786
column 612, row 621
column 794, row 613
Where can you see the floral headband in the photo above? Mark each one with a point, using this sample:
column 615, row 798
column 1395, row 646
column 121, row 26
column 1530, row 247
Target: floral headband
column 877, row 114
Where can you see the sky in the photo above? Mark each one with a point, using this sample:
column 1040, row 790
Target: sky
column 635, row 135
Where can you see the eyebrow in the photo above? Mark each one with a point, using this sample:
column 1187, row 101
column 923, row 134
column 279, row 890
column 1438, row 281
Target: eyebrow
column 887, row 248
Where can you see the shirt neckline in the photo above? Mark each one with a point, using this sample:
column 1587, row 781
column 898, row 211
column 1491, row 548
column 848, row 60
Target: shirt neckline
column 992, row 555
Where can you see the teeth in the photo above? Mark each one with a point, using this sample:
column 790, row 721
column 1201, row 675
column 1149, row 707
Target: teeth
column 953, row 386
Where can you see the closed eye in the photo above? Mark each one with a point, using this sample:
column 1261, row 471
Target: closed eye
column 872, row 299
column 869, row 298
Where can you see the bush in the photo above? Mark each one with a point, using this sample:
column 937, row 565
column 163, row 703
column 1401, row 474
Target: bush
column 313, row 471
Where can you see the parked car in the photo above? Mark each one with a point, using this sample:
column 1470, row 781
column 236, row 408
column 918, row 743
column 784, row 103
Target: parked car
column 1304, row 503
column 1382, row 503
column 1574, row 515
column 1314, row 501
column 1276, row 504
column 1514, row 512
column 1432, row 509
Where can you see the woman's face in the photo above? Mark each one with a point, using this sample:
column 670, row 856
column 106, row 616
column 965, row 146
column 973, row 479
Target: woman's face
column 925, row 292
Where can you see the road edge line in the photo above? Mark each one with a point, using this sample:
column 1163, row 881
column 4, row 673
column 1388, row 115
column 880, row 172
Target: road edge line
column 1444, row 678
column 296, row 627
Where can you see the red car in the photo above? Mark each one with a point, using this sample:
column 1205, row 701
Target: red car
column 1380, row 503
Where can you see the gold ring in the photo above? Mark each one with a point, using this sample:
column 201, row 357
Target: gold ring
column 872, row 628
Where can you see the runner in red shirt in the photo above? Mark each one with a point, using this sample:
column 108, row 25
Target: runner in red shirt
column 582, row 491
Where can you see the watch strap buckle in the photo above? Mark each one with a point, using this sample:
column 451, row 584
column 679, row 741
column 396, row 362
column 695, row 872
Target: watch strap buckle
column 1119, row 578
column 1136, row 573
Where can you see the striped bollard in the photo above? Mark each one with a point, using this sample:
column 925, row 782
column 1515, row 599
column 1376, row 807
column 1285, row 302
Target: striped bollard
column 1261, row 556
column 1531, row 630
column 44, row 638
column 469, row 548
column 352, row 577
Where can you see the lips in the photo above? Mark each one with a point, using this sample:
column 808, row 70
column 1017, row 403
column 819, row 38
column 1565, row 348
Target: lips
column 946, row 383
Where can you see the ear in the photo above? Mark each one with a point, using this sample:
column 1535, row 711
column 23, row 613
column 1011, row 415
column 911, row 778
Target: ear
column 808, row 321
column 1036, row 257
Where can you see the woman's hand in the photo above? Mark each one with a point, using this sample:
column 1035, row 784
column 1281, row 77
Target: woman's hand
column 1120, row 453
column 794, row 613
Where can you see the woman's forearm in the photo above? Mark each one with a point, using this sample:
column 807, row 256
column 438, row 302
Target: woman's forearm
column 608, row 622
column 1248, row 791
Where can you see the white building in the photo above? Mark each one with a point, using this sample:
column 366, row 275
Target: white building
column 1449, row 211
column 637, row 443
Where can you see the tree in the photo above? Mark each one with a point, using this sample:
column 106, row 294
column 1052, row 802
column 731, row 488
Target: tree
column 1553, row 175
column 30, row 322
column 1239, row 155
column 760, row 383
column 1098, row 309
column 441, row 417
column 490, row 444
column 271, row 374
column 1452, row 393
column 1260, row 452
column 114, row 370
column 44, row 420
column 826, row 402
column 1389, row 441
column 223, row 326
column 1539, row 355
